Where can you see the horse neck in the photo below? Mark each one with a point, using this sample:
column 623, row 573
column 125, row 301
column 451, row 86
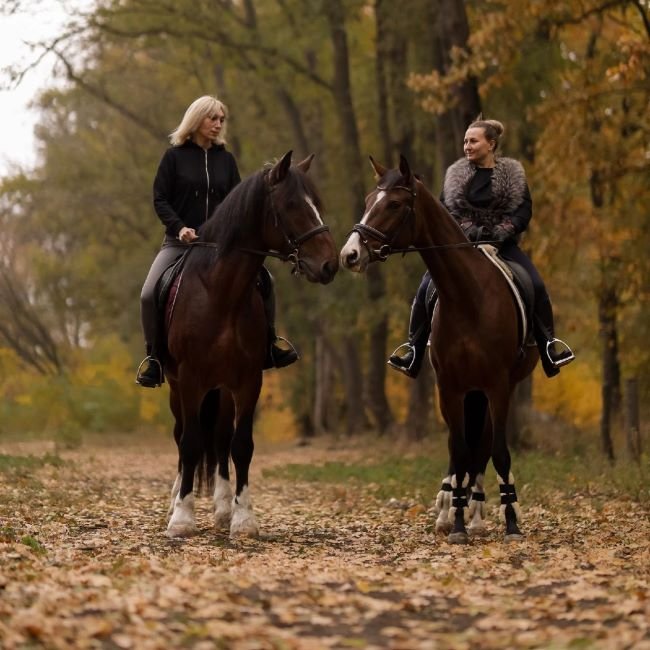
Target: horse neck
column 456, row 272
column 237, row 270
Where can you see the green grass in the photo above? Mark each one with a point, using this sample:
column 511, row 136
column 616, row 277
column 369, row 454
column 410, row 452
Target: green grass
column 25, row 463
column 539, row 474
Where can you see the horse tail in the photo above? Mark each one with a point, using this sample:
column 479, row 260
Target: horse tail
column 207, row 465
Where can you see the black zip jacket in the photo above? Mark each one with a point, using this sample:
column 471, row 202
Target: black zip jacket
column 190, row 183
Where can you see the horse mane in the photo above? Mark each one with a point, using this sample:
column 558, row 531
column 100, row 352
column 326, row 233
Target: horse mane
column 242, row 212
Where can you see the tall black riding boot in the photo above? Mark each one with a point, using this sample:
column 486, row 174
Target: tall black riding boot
column 276, row 357
column 419, row 329
column 152, row 376
column 553, row 353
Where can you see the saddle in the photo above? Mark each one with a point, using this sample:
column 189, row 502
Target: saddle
column 165, row 298
column 521, row 287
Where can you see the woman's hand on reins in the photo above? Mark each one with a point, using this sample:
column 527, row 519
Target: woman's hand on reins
column 187, row 235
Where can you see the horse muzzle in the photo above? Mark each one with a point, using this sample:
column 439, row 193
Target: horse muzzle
column 354, row 257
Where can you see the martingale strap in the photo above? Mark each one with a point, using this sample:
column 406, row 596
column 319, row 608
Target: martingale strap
column 508, row 494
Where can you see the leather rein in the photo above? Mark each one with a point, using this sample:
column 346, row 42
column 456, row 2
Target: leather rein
column 382, row 253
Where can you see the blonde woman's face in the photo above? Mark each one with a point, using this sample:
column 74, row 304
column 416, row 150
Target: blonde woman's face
column 211, row 126
column 478, row 149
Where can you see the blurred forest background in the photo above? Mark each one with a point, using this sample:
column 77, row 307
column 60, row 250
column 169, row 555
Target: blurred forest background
column 343, row 79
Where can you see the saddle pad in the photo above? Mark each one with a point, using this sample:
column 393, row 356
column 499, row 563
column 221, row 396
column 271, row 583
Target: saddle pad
column 492, row 253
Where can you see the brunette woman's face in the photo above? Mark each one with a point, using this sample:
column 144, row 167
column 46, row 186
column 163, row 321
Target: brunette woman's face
column 478, row 149
column 212, row 125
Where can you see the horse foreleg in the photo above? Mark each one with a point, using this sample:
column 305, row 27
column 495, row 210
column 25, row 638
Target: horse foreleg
column 182, row 523
column 510, row 511
column 222, row 497
column 443, row 504
column 175, row 406
column 452, row 410
column 243, row 520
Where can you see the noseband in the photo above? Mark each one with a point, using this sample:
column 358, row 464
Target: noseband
column 367, row 232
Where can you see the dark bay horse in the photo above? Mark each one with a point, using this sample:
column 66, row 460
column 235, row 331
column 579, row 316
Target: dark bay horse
column 217, row 338
column 475, row 347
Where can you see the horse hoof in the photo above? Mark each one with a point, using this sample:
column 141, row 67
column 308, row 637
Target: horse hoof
column 458, row 538
column 443, row 527
column 514, row 537
column 250, row 530
column 222, row 520
column 477, row 531
column 181, row 530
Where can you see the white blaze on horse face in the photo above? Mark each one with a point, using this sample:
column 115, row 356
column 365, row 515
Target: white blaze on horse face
column 380, row 195
column 310, row 203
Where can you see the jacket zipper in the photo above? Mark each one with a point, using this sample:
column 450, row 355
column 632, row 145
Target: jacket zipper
column 207, row 192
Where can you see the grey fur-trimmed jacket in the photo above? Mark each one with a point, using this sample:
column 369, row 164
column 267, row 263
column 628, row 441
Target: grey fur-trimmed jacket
column 504, row 200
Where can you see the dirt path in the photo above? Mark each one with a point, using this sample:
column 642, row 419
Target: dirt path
column 84, row 564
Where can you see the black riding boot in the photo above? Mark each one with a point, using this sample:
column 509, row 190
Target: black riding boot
column 419, row 329
column 276, row 357
column 553, row 352
column 152, row 376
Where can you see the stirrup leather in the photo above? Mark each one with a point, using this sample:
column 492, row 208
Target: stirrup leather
column 404, row 369
column 564, row 360
column 149, row 360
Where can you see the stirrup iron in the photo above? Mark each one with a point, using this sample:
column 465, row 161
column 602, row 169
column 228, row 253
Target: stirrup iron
column 403, row 369
column 564, row 360
column 149, row 360
column 289, row 343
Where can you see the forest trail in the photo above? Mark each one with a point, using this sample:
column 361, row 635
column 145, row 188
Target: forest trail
column 84, row 563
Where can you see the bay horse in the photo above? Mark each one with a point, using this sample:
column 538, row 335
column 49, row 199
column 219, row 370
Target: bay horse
column 475, row 345
column 217, row 336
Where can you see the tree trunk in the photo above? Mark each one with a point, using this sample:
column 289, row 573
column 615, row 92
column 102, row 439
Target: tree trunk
column 632, row 424
column 351, row 160
column 607, row 309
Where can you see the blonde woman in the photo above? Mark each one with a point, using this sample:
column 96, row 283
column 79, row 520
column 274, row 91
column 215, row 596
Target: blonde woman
column 194, row 176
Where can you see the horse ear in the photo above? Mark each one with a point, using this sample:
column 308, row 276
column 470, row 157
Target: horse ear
column 279, row 171
column 304, row 165
column 379, row 170
column 404, row 168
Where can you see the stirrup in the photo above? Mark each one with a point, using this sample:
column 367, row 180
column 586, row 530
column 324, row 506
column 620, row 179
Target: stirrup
column 140, row 378
column 289, row 343
column 407, row 370
column 562, row 361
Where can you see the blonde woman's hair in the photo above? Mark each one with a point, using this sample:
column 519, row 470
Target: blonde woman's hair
column 493, row 129
column 196, row 112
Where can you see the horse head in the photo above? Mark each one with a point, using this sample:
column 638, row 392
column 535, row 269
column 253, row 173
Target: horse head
column 389, row 219
column 296, row 229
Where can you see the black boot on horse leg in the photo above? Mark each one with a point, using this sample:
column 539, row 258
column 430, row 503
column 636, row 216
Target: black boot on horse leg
column 419, row 329
column 152, row 375
column 553, row 352
column 276, row 357
column 510, row 510
column 458, row 534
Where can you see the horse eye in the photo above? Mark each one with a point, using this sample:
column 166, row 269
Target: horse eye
column 394, row 205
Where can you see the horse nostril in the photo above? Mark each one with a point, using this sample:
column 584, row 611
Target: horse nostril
column 328, row 270
column 351, row 258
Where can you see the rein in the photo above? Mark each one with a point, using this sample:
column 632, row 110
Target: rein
column 382, row 253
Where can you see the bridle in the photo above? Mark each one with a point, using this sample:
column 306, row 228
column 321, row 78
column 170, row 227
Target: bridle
column 382, row 253
column 365, row 231
column 293, row 243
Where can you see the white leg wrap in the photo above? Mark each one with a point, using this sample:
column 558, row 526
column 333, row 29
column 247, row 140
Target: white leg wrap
column 222, row 503
column 182, row 522
column 243, row 520
column 443, row 503
column 175, row 488
column 515, row 505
